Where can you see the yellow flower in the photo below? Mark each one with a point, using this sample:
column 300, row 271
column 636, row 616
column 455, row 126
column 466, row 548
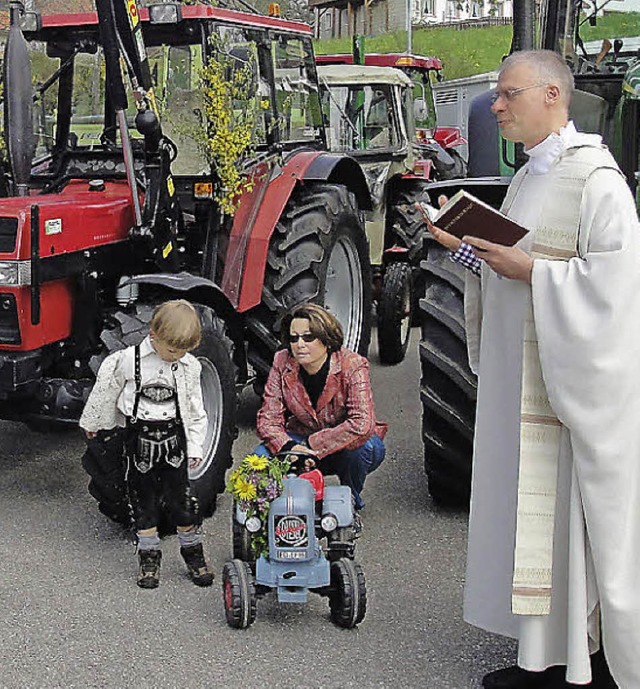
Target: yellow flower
column 257, row 462
column 244, row 490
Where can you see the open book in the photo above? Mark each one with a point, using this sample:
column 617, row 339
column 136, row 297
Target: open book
column 464, row 214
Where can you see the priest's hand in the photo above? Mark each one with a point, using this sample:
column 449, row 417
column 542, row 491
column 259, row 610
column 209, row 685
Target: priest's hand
column 447, row 240
column 509, row 261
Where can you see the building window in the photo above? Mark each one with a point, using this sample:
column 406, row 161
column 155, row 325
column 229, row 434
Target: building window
column 430, row 7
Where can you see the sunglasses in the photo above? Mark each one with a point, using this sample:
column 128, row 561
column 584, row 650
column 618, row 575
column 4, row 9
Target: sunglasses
column 307, row 337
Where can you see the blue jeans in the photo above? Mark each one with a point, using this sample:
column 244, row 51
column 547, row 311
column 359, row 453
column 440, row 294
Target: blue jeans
column 350, row 466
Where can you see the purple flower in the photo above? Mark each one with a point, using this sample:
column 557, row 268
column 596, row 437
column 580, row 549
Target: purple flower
column 272, row 491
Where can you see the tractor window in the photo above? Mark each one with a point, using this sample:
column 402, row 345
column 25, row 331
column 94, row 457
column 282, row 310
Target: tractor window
column 423, row 91
column 87, row 113
column 87, row 100
column 344, row 131
column 360, row 118
column 378, row 125
column 180, row 98
column 238, row 49
column 45, row 102
column 297, row 98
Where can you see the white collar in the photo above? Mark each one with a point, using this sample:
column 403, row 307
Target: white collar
column 543, row 155
column 146, row 347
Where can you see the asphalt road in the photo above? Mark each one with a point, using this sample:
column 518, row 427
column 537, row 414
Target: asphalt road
column 72, row 616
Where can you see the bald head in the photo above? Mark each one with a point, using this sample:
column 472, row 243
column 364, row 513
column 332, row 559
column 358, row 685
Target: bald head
column 549, row 68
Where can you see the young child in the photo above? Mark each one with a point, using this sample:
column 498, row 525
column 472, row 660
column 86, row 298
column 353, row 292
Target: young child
column 153, row 390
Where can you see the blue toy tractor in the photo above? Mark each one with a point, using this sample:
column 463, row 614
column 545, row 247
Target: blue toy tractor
column 311, row 546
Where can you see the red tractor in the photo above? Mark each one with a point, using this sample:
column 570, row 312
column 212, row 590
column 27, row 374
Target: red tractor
column 95, row 229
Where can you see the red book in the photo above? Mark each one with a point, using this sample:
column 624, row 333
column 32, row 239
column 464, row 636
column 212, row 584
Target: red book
column 464, row 214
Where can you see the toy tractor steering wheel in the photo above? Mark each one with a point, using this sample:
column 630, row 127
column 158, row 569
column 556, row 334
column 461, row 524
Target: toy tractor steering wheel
column 300, row 461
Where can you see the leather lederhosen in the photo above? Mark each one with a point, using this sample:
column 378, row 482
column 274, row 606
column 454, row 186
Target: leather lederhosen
column 150, row 442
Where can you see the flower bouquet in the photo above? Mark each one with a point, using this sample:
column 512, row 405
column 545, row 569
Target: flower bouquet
column 254, row 485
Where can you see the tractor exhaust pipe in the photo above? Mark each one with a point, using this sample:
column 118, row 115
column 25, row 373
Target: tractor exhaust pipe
column 18, row 103
column 523, row 25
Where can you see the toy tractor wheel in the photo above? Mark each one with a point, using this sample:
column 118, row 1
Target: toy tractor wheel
column 341, row 543
column 318, row 253
column 348, row 596
column 239, row 592
column 241, row 540
column 394, row 313
column 448, row 386
column 215, row 354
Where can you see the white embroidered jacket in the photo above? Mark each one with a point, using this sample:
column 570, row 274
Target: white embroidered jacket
column 101, row 411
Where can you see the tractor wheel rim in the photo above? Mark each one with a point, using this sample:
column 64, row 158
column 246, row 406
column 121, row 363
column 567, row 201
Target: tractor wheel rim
column 343, row 290
column 214, row 406
column 405, row 323
column 228, row 595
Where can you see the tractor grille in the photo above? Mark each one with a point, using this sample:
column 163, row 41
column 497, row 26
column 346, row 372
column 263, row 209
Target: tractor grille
column 9, row 329
column 8, row 235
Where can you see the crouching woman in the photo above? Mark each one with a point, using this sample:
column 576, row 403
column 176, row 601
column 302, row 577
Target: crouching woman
column 318, row 399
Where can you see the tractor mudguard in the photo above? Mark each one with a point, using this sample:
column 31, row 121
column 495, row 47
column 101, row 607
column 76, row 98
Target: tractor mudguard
column 341, row 169
column 208, row 292
column 338, row 501
column 260, row 210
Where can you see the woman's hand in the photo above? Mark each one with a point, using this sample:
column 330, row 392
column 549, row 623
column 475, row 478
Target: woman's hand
column 90, row 435
column 447, row 240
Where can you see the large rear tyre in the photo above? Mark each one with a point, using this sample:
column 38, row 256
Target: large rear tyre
column 218, row 379
column 103, row 461
column 239, row 593
column 348, row 596
column 455, row 171
column 448, row 386
column 394, row 313
column 318, row 253
column 126, row 328
column 407, row 228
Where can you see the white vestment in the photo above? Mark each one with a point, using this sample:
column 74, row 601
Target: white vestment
column 587, row 318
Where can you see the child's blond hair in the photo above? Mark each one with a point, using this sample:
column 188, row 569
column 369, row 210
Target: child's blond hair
column 176, row 324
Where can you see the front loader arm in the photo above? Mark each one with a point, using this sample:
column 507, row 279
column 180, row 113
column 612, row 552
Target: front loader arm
column 157, row 223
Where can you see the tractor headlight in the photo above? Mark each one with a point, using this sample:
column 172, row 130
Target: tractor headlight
column 168, row 13
column 253, row 524
column 329, row 523
column 15, row 273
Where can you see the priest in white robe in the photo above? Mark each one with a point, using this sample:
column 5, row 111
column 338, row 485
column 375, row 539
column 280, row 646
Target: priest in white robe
column 553, row 327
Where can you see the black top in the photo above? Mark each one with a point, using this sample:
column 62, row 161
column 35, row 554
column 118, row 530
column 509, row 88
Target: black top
column 314, row 382
column 314, row 385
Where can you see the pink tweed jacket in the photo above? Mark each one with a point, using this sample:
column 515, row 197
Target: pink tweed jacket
column 345, row 417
